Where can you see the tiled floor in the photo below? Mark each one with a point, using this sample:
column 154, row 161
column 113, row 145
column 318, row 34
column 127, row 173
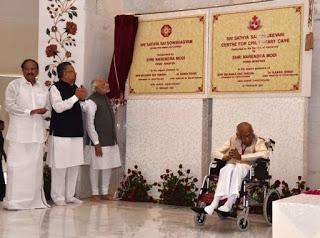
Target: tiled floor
column 121, row 219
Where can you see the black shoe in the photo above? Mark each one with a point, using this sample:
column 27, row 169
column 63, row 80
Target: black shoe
column 232, row 213
column 199, row 210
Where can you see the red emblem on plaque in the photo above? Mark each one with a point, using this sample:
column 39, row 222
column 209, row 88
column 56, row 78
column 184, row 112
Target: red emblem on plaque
column 254, row 24
column 166, row 30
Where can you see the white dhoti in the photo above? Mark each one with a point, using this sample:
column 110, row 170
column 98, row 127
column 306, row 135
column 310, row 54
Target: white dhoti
column 64, row 157
column 102, row 165
column 25, row 176
column 230, row 179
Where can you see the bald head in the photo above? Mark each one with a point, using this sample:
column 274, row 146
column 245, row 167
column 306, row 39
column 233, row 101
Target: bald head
column 100, row 86
column 244, row 126
column 245, row 133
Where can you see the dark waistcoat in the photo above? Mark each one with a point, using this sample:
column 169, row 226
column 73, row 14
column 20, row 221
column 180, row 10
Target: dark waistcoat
column 104, row 122
column 69, row 122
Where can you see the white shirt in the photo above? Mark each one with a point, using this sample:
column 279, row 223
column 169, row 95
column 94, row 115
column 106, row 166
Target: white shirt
column 21, row 98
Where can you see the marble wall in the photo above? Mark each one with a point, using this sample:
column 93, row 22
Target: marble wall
column 161, row 134
column 143, row 6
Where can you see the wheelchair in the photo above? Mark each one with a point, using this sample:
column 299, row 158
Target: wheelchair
column 258, row 177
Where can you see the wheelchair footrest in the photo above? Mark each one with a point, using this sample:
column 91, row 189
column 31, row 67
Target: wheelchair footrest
column 232, row 213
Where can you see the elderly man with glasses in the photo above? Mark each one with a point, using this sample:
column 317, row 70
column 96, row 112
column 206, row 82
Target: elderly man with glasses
column 239, row 152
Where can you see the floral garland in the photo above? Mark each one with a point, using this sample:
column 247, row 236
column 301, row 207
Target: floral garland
column 61, row 34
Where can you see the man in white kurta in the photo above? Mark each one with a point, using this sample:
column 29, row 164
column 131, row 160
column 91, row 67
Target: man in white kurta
column 104, row 151
column 26, row 100
column 65, row 153
column 239, row 152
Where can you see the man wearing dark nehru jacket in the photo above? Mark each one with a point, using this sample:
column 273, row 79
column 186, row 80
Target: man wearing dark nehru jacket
column 66, row 130
column 104, row 154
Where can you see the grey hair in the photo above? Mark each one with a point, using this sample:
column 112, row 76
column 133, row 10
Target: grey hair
column 94, row 84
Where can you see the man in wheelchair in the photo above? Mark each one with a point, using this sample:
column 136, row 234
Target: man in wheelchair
column 239, row 152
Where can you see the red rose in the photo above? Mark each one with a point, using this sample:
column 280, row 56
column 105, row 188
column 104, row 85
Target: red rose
column 71, row 28
column 51, row 50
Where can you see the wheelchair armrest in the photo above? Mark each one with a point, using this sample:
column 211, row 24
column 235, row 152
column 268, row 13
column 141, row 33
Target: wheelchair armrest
column 215, row 166
column 260, row 169
column 262, row 161
column 218, row 163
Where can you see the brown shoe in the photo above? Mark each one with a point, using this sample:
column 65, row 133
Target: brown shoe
column 106, row 197
column 95, row 198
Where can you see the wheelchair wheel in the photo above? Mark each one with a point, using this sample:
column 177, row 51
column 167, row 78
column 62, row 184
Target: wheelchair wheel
column 200, row 219
column 272, row 195
column 242, row 223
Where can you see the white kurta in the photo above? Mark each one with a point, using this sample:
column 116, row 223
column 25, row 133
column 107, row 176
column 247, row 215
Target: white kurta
column 64, row 152
column 20, row 99
column 26, row 136
column 110, row 154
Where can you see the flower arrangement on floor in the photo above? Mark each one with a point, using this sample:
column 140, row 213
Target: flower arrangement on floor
column 177, row 188
column 285, row 191
column 256, row 193
column 135, row 187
